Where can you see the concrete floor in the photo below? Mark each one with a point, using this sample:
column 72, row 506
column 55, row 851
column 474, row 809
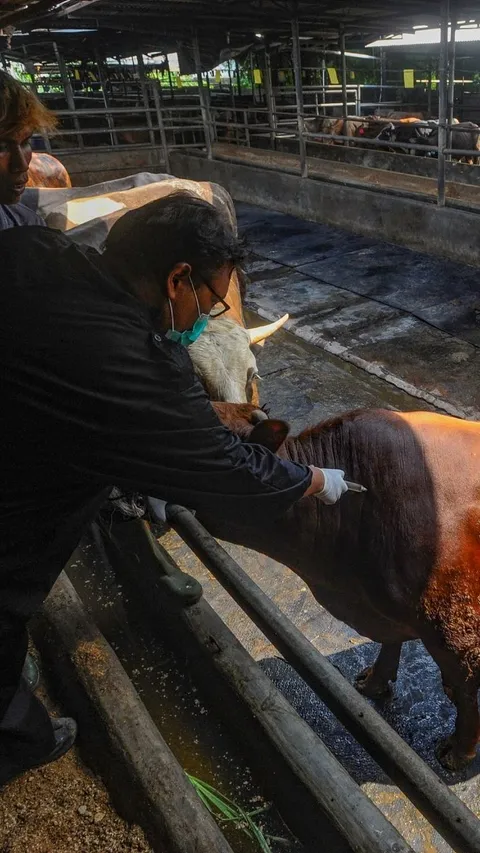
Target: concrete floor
column 410, row 318
column 360, row 295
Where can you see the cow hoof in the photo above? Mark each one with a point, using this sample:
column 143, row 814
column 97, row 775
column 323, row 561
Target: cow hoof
column 368, row 684
column 448, row 756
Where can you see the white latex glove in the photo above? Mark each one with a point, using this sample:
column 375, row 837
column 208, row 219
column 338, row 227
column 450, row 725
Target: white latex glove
column 335, row 486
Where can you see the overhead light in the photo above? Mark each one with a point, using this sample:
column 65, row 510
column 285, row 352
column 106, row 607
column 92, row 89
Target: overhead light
column 355, row 55
column 259, row 35
column 466, row 33
column 421, row 27
column 469, row 26
column 461, row 22
column 305, row 38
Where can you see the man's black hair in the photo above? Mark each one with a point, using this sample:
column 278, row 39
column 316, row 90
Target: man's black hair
column 149, row 241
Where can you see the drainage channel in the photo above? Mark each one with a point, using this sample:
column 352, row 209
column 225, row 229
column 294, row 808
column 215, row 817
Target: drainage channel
column 450, row 817
column 200, row 742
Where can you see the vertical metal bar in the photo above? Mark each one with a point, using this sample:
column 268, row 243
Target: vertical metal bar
column 383, row 75
column 170, row 84
column 232, row 98
column 324, row 84
column 161, row 126
column 344, row 74
column 451, row 77
column 103, row 86
column 247, row 131
column 297, row 68
column 202, row 97
column 429, row 92
column 239, row 81
column 267, row 82
column 442, row 101
column 146, row 101
column 67, row 88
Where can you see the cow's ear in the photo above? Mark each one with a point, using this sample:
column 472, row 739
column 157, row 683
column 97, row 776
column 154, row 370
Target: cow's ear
column 270, row 434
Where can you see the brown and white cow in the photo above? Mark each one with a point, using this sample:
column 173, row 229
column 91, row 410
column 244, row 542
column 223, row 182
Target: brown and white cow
column 399, row 562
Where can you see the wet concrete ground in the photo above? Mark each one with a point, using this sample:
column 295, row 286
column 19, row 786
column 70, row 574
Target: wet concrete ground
column 304, row 384
column 410, row 318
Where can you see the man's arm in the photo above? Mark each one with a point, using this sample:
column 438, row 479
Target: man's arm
column 151, row 427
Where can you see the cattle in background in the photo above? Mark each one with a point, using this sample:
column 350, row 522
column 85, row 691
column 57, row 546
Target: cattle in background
column 465, row 135
column 46, row 171
column 335, row 127
column 398, row 562
column 223, row 358
column 402, row 132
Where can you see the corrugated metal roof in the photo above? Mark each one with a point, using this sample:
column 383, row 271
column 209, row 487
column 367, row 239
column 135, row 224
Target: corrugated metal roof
column 160, row 24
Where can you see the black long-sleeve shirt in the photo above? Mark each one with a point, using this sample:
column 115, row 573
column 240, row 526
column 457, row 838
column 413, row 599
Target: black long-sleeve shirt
column 93, row 395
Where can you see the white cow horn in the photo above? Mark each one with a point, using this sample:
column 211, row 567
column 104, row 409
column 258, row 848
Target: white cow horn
column 262, row 332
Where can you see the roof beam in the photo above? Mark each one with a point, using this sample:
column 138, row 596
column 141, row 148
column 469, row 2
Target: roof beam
column 76, row 6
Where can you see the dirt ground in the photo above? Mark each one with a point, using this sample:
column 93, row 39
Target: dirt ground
column 63, row 808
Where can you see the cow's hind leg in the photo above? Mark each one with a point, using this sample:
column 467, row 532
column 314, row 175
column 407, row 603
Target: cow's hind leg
column 460, row 683
column 375, row 680
column 457, row 750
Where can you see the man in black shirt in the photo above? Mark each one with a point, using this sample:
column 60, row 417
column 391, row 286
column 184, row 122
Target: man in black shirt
column 98, row 389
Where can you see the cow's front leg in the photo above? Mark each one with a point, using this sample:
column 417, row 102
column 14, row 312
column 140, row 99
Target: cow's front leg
column 457, row 750
column 375, row 680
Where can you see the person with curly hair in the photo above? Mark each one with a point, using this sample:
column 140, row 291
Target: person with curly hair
column 21, row 114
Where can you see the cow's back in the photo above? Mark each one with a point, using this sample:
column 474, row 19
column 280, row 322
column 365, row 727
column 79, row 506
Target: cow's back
column 374, row 559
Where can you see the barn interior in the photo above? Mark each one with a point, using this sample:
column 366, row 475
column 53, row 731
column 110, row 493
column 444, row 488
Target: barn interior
column 367, row 236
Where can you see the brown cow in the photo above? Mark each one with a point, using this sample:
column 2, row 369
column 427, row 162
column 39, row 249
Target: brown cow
column 399, row 562
column 47, row 171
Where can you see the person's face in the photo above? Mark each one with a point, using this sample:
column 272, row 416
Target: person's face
column 182, row 297
column 15, row 156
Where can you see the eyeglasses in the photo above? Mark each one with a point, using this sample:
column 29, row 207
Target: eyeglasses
column 217, row 312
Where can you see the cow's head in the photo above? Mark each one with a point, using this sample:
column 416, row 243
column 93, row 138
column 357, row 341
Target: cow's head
column 225, row 362
column 253, row 425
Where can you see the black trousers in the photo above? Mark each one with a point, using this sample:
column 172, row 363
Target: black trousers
column 26, row 733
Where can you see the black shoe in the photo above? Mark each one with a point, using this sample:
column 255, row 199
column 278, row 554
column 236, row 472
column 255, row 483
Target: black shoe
column 65, row 732
column 31, row 672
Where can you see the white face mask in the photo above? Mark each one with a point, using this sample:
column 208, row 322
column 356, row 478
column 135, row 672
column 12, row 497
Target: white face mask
column 189, row 336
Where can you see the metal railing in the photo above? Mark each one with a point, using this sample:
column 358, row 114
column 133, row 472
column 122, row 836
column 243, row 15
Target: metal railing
column 194, row 126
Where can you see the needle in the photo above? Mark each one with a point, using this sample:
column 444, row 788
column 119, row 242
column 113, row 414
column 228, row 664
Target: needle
column 355, row 487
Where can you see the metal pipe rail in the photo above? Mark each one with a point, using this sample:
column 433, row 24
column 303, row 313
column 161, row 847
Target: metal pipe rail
column 450, row 817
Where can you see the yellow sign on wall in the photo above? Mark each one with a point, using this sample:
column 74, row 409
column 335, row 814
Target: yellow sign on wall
column 257, row 76
column 179, row 82
column 218, row 75
column 333, row 76
column 409, row 78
